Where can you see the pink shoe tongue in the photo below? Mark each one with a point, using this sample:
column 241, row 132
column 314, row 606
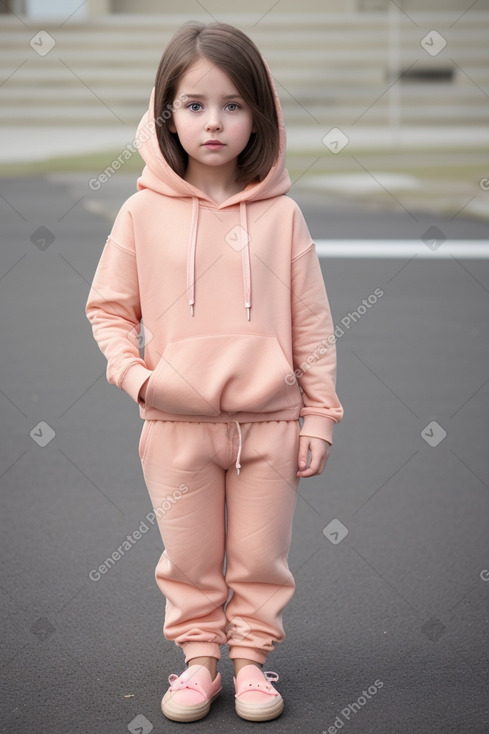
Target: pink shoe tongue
column 252, row 674
column 196, row 672
column 191, row 694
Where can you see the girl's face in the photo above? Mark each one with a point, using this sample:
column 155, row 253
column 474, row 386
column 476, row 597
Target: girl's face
column 214, row 123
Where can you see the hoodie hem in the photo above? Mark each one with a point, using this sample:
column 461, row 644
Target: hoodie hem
column 287, row 414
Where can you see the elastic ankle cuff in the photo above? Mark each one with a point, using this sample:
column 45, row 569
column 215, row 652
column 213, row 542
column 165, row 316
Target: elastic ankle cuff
column 200, row 649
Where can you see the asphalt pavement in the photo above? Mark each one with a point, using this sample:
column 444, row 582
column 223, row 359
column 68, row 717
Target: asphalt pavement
column 388, row 629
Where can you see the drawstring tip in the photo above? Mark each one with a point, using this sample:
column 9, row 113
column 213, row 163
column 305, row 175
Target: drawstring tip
column 191, row 309
column 238, row 465
column 248, row 312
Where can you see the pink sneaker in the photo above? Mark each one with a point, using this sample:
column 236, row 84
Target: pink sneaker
column 256, row 699
column 190, row 694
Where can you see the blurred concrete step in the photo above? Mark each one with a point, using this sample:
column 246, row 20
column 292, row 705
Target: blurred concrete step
column 330, row 66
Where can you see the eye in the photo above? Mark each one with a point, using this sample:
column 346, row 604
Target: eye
column 232, row 106
column 194, row 106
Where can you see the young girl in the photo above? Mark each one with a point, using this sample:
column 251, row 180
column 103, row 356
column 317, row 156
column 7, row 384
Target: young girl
column 212, row 269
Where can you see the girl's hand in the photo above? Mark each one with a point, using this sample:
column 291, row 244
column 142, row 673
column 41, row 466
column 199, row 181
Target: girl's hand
column 319, row 455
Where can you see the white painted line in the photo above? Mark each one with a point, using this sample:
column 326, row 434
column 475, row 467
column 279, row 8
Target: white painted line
column 462, row 249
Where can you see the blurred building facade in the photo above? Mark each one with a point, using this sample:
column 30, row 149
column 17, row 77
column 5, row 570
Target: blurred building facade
column 102, row 7
column 371, row 64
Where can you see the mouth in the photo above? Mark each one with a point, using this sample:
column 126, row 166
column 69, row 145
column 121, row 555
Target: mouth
column 213, row 144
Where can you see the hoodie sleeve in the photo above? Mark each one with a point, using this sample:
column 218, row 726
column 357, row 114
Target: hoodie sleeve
column 113, row 308
column 313, row 339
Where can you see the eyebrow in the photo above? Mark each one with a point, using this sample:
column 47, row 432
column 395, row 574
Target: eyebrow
column 203, row 96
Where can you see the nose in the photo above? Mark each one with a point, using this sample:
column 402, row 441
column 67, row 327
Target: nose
column 213, row 121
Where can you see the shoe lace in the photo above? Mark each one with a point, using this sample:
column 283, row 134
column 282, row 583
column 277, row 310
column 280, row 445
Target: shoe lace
column 179, row 682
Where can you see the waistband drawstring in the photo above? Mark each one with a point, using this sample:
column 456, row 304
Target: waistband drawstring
column 238, row 465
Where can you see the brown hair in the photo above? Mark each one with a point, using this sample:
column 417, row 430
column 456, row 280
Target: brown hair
column 236, row 54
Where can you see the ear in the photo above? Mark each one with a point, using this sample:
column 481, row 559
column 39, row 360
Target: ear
column 171, row 125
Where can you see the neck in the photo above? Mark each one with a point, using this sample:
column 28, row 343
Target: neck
column 219, row 183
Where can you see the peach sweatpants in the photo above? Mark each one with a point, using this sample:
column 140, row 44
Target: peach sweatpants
column 190, row 471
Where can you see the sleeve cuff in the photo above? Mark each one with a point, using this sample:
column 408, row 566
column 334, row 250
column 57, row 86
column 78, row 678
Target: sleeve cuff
column 317, row 426
column 134, row 379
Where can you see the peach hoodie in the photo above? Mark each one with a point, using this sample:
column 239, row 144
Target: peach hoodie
column 231, row 297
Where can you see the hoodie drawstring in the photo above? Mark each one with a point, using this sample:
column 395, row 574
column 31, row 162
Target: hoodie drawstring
column 192, row 243
column 245, row 253
column 238, row 465
column 245, row 256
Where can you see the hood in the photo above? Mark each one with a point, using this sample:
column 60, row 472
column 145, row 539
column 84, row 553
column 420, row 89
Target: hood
column 160, row 177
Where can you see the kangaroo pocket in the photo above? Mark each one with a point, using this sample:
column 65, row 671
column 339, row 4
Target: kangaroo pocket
column 228, row 373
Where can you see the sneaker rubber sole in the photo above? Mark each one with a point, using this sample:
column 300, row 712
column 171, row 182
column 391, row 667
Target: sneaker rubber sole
column 260, row 712
column 176, row 712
